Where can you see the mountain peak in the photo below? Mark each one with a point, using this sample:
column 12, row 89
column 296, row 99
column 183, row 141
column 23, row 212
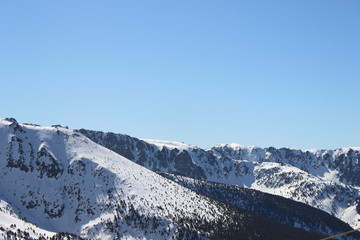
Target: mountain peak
column 12, row 120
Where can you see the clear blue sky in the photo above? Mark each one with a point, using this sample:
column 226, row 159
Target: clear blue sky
column 266, row 73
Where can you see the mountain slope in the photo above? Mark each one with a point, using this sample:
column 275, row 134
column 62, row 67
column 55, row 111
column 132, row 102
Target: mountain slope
column 60, row 181
column 280, row 209
column 325, row 179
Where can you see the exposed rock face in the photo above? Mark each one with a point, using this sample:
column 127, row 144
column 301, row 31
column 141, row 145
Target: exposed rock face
column 148, row 155
column 47, row 165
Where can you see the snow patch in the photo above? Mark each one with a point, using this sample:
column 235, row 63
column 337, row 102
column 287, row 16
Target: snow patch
column 169, row 144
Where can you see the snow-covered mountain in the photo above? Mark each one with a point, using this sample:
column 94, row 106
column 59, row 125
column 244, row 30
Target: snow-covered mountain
column 326, row 179
column 56, row 183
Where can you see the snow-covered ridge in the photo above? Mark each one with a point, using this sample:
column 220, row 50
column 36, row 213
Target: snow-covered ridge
column 61, row 181
column 326, row 179
column 233, row 145
column 237, row 146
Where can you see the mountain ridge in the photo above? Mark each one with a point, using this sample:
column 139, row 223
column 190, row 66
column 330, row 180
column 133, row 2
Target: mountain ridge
column 311, row 177
column 60, row 181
